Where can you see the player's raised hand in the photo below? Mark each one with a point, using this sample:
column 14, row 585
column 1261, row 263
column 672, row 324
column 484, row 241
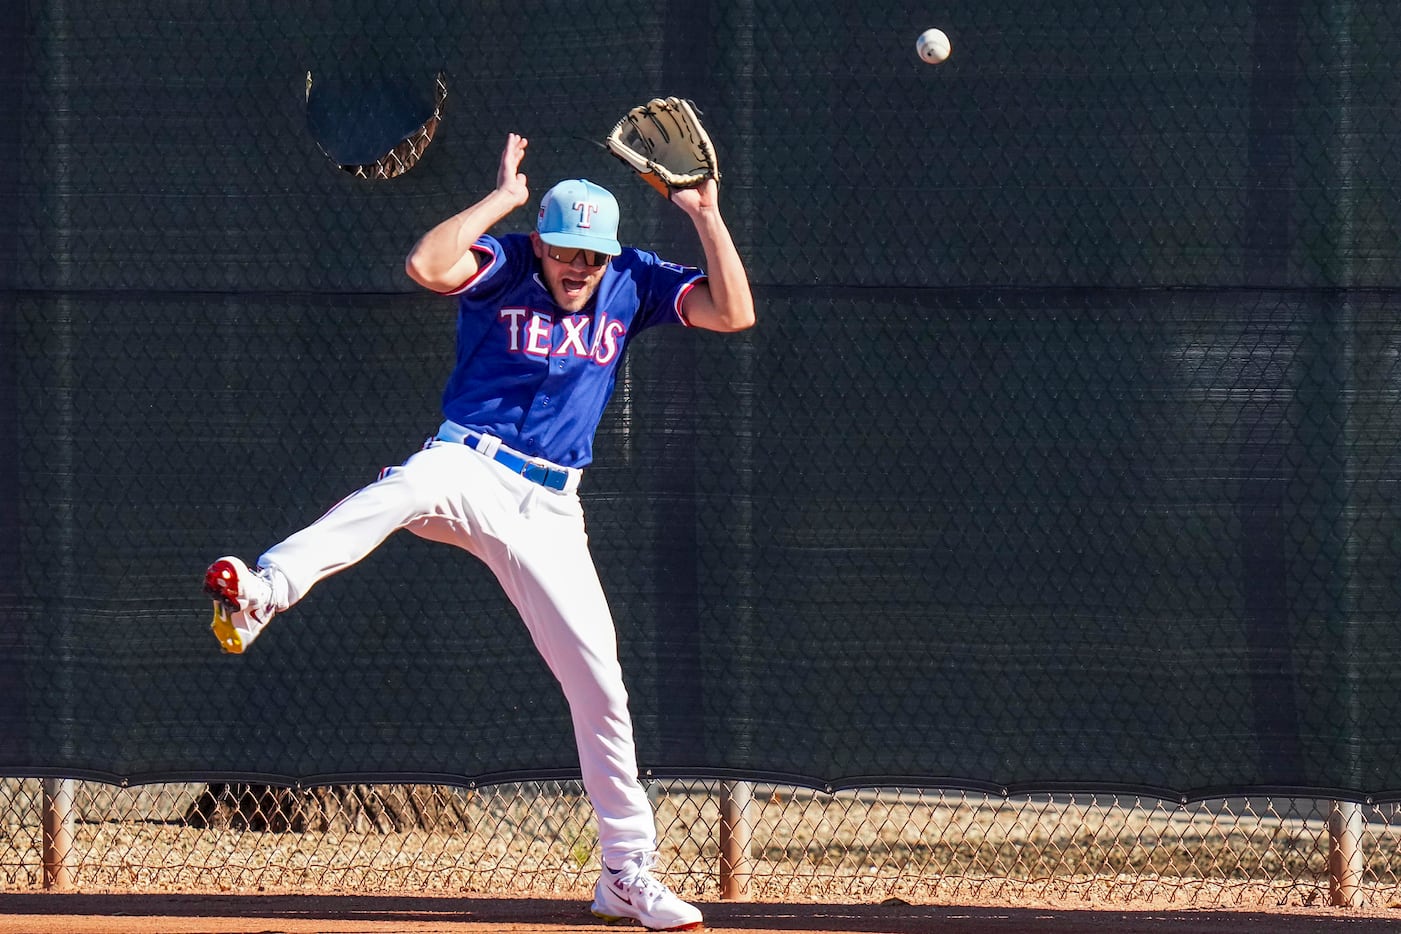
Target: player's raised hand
column 509, row 178
column 443, row 258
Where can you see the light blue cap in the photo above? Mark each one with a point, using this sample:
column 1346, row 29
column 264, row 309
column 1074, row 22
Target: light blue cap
column 578, row 213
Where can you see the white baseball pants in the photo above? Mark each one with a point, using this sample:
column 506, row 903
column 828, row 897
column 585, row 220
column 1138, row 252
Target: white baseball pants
column 533, row 539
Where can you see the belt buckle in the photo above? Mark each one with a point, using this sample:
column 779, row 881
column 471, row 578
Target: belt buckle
column 546, row 475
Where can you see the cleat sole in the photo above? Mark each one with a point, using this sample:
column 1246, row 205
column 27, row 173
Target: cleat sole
column 625, row 919
column 229, row 639
column 217, row 581
column 610, row 919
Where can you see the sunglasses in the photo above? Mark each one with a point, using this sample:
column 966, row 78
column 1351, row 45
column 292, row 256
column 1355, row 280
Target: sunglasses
column 566, row 255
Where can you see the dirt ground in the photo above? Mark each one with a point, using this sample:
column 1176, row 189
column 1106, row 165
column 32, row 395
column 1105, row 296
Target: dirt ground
column 50, row 913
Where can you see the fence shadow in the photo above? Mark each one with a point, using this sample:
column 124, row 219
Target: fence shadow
column 43, row 913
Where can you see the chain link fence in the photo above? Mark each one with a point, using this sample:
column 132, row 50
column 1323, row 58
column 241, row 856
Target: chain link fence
column 919, row 845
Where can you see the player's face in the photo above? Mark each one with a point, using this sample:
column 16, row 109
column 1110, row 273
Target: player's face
column 572, row 276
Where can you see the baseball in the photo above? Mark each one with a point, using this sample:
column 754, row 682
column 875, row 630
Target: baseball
column 933, row 46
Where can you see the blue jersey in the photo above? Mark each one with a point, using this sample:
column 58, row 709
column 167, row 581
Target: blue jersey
column 538, row 377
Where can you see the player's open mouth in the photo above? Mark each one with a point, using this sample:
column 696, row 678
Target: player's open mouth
column 574, row 285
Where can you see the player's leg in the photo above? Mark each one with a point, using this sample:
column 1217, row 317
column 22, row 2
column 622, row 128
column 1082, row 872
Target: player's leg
column 246, row 599
column 550, row 577
column 423, row 486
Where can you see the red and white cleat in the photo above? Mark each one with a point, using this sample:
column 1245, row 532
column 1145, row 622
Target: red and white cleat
column 633, row 894
column 243, row 603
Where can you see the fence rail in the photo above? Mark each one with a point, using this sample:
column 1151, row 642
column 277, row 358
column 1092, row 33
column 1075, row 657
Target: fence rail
column 794, row 843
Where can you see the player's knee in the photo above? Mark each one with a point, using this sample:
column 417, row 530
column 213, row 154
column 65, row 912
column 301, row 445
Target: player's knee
column 600, row 692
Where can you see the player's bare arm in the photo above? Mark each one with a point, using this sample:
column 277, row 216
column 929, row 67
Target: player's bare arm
column 723, row 301
column 443, row 258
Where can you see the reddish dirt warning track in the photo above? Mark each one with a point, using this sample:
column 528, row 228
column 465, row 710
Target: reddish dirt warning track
column 47, row 913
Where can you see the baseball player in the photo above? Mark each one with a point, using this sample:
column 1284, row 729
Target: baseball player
column 543, row 320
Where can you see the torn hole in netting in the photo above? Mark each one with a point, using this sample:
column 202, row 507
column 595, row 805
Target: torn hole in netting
column 374, row 127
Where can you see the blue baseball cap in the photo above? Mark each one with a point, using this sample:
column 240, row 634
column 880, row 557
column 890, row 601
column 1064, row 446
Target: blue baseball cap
column 578, row 213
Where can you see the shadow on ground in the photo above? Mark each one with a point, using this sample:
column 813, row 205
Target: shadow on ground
column 143, row 913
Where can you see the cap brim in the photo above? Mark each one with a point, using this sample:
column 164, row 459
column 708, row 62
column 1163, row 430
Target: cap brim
column 601, row 244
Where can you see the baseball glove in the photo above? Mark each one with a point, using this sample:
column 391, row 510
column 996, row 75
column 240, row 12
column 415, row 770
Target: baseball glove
column 664, row 142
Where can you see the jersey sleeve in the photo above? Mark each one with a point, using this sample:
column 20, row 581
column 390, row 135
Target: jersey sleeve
column 492, row 257
column 664, row 289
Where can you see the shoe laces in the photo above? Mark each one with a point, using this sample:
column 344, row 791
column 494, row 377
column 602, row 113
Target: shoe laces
column 258, row 596
column 636, row 877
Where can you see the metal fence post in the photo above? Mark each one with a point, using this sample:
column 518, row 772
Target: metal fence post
column 734, row 840
column 1345, row 866
column 58, row 822
column 735, row 797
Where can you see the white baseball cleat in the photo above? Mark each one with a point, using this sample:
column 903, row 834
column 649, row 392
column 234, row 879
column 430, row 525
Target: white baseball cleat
column 633, row 894
column 243, row 603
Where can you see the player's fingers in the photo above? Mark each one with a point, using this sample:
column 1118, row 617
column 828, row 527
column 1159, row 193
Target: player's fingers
column 514, row 151
column 509, row 173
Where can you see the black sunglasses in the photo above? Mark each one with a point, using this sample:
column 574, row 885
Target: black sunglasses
column 566, row 255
